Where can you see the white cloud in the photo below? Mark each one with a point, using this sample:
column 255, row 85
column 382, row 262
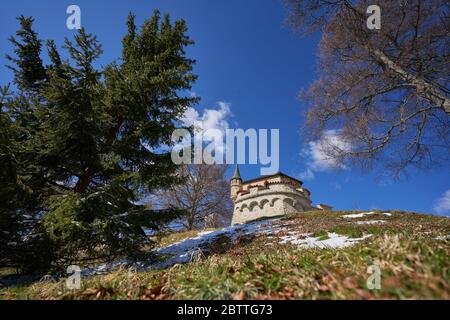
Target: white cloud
column 319, row 154
column 307, row 175
column 442, row 205
column 210, row 119
column 210, row 126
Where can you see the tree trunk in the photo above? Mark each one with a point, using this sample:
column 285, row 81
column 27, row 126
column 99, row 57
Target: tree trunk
column 85, row 179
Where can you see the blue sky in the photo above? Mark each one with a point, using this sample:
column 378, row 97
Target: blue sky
column 250, row 62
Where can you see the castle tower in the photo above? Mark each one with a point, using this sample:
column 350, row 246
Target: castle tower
column 236, row 183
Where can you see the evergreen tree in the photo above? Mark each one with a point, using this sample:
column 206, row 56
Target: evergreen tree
column 23, row 186
column 29, row 71
column 22, row 245
column 96, row 140
column 9, row 219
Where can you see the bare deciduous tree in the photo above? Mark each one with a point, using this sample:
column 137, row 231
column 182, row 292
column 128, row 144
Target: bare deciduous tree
column 385, row 92
column 204, row 194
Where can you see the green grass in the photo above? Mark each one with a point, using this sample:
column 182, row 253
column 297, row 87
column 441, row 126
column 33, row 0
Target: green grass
column 321, row 235
column 413, row 266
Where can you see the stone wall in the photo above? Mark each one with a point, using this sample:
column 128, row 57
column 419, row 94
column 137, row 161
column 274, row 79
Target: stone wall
column 276, row 199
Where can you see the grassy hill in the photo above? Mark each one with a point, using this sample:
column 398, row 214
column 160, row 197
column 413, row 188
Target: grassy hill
column 313, row 255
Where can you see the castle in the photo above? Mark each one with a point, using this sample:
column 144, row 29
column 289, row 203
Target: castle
column 268, row 196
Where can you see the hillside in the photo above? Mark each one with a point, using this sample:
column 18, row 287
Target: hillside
column 313, row 255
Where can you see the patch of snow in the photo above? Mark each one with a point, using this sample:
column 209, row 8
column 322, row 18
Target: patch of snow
column 295, row 238
column 358, row 215
column 104, row 268
column 442, row 237
column 334, row 241
column 182, row 251
column 370, row 222
column 204, row 233
column 363, row 214
column 186, row 250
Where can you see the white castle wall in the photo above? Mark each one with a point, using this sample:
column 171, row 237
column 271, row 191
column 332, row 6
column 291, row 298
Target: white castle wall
column 272, row 200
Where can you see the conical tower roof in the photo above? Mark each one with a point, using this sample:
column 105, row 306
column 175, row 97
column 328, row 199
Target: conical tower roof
column 236, row 174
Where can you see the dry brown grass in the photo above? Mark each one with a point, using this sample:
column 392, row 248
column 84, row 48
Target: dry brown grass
column 413, row 264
